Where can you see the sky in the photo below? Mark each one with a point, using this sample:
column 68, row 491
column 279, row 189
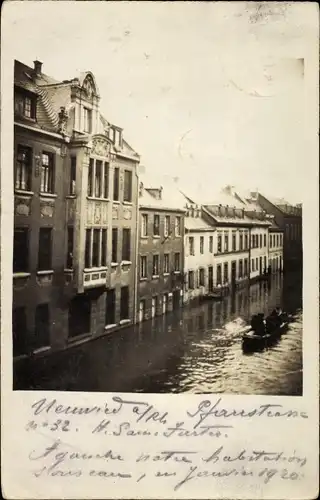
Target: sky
column 211, row 93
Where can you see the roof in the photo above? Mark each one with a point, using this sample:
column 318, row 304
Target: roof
column 197, row 224
column 52, row 96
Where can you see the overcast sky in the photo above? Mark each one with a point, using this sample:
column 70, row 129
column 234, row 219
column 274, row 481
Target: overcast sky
column 213, row 93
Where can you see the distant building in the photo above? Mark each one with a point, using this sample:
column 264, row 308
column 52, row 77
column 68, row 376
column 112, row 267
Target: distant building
column 199, row 245
column 75, row 191
column 161, row 252
column 289, row 219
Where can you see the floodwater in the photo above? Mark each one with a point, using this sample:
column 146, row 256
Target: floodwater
column 196, row 349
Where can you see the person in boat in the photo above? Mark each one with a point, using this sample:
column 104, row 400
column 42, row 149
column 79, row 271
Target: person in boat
column 258, row 324
column 274, row 320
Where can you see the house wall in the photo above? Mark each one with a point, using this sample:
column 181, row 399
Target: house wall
column 198, row 261
column 259, row 255
column 275, row 244
column 231, row 256
column 169, row 283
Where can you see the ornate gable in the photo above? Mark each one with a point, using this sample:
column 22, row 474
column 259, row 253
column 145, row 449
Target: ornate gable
column 100, row 146
column 89, row 85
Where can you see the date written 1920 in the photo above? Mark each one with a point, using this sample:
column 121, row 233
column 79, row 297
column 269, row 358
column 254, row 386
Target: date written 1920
column 58, row 425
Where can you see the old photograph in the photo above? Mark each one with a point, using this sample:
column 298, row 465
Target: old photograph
column 158, row 184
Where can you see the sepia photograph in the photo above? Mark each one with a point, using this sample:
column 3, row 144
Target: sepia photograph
column 158, row 197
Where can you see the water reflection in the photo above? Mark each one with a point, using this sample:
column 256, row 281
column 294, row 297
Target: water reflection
column 196, row 350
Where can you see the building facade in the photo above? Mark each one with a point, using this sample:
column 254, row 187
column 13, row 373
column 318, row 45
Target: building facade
column 289, row 220
column 76, row 193
column 161, row 254
column 199, row 245
column 275, row 248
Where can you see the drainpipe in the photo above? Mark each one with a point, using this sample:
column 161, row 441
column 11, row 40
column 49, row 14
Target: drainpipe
column 135, row 298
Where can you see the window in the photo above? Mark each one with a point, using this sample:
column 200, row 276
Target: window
column 155, row 265
column 144, row 225
column 72, row 180
column 191, row 245
column 240, row 268
column 219, row 243
column 79, row 316
column 23, row 168
column 126, row 243
column 114, row 244
column 42, row 326
column 257, row 264
column 116, row 184
column 44, row 250
column 177, row 226
column 143, row 266
column 241, row 242
column 260, row 240
column 264, row 240
column 156, row 225
column 87, row 120
column 246, row 242
column 274, row 240
column 87, row 258
column 25, row 105
column 110, row 307
column 270, row 241
column 257, row 240
column 97, row 179
column 201, row 244
column 127, row 193
column 19, row 331
column 104, row 247
column 20, row 250
column 211, row 244
column 166, row 263
column 225, row 272
column 90, row 178
column 226, row 243
column 69, row 263
column 47, row 167
column 95, row 248
column 166, row 225
column 252, row 265
column 106, row 180
column 201, row 277
column 252, row 241
column 154, row 306
column 177, row 262
column 245, row 273
column 191, row 279
column 234, row 242
column 124, row 303
column 219, row 274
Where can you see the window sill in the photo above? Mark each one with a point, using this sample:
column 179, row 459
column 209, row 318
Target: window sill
column 127, row 202
column 156, row 236
column 42, row 273
column 144, row 237
column 155, row 277
column 47, row 195
column 97, row 198
column 110, row 327
column 23, row 192
column 125, row 321
column 71, row 196
column 126, row 263
column 42, row 349
column 114, row 264
column 68, row 270
column 144, row 279
column 95, row 269
column 79, row 338
column 116, row 202
column 176, row 272
column 21, row 275
column 166, row 274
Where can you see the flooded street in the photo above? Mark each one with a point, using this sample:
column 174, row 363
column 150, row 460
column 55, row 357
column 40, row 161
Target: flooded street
column 196, row 350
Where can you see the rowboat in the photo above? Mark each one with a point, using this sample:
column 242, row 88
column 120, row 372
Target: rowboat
column 253, row 342
column 213, row 296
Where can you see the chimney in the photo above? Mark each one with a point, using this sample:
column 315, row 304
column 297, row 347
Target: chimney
column 160, row 192
column 37, row 67
column 141, row 187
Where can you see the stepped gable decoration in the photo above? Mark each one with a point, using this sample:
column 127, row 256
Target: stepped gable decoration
column 89, row 85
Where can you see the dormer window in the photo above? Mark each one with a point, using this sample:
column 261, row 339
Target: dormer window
column 25, row 105
column 87, row 120
column 116, row 136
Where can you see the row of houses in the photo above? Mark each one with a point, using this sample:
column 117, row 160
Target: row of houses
column 96, row 246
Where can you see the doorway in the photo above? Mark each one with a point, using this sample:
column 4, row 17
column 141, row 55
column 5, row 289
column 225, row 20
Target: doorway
column 210, row 278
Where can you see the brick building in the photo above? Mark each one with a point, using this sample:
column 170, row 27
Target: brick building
column 161, row 253
column 76, row 188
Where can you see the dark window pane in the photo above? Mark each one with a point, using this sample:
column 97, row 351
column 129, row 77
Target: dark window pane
column 114, row 244
column 116, row 184
column 88, row 248
column 79, row 315
column 90, row 178
column 110, row 307
column 73, row 167
column 127, row 195
column 23, row 168
column 47, row 173
column 42, row 326
column 44, row 251
column 104, row 248
column 124, row 303
column 20, row 250
column 126, row 244
column 19, row 331
column 69, row 263
column 106, row 180
column 95, row 248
